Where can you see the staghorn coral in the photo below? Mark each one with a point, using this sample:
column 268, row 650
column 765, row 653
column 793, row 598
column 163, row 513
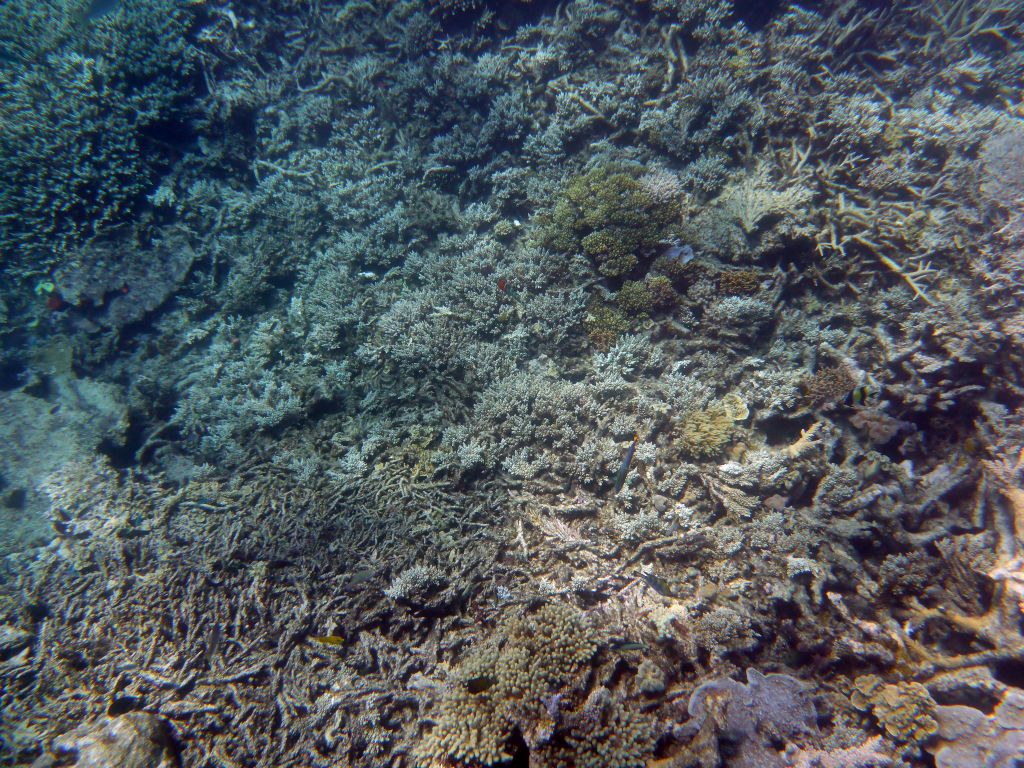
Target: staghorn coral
column 416, row 585
column 387, row 166
column 78, row 120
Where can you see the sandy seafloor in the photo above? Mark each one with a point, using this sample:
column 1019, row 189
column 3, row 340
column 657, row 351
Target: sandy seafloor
column 458, row 383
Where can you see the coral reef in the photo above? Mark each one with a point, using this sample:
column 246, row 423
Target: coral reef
column 462, row 382
column 705, row 432
column 134, row 740
column 755, row 717
column 906, row 711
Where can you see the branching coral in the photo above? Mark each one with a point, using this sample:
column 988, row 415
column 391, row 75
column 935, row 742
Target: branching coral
column 390, row 378
column 827, row 386
column 613, row 218
column 529, row 680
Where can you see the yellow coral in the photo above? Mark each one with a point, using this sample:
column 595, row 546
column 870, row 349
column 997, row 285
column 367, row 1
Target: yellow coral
column 705, row 433
column 735, row 407
column 905, row 710
column 501, row 686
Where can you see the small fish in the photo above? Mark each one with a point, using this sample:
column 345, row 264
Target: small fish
column 622, row 644
column 212, row 642
column 360, row 577
column 861, row 396
column 328, row 639
column 682, row 253
column 502, row 285
column 620, row 476
column 480, row 683
column 659, row 586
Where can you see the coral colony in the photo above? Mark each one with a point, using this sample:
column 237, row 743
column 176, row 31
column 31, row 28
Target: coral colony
column 458, row 383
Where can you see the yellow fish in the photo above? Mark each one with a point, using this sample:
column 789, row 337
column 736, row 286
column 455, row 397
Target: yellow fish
column 328, row 639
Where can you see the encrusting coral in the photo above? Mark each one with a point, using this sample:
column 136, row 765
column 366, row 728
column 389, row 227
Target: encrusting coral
column 968, row 737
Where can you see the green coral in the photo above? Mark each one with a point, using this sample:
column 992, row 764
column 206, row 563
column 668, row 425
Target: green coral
column 642, row 297
column 613, row 218
column 635, row 297
column 604, row 324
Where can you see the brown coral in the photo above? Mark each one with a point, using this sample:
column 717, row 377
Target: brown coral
column 740, row 282
column 828, row 386
column 604, row 324
column 606, row 735
column 905, row 709
column 503, row 687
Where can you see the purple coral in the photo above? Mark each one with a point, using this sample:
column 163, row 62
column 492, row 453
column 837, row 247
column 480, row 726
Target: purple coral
column 756, row 716
column 969, row 737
